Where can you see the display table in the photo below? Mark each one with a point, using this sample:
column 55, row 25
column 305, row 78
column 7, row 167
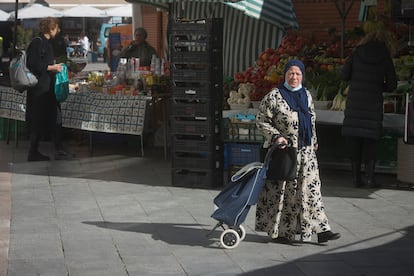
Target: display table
column 87, row 111
column 332, row 117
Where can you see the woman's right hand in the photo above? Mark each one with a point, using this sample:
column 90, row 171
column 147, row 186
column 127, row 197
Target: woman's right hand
column 55, row 67
column 282, row 142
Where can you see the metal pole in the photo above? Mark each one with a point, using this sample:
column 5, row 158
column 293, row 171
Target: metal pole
column 16, row 7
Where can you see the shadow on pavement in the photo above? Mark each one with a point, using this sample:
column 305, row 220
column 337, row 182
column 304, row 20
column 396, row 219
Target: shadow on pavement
column 390, row 258
column 171, row 233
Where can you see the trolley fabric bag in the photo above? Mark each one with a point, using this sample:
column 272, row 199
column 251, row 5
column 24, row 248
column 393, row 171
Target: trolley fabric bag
column 20, row 76
column 62, row 84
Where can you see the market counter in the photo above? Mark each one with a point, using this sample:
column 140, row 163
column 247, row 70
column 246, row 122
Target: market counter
column 331, row 117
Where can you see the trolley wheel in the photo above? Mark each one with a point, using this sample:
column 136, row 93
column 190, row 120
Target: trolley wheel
column 241, row 231
column 230, row 238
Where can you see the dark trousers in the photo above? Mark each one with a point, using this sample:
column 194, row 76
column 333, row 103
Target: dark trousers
column 43, row 118
column 362, row 149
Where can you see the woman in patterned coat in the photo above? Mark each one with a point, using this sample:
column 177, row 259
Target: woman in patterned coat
column 285, row 208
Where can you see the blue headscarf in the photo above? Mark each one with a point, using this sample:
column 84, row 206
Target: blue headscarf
column 297, row 99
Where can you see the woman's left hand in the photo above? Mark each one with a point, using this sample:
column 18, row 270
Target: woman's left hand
column 55, row 67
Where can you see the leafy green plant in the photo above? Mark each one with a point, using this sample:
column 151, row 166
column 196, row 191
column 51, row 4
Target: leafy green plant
column 324, row 84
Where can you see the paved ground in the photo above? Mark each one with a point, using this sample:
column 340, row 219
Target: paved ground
column 116, row 213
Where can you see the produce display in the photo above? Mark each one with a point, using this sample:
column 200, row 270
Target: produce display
column 124, row 82
column 323, row 64
column 321, row 70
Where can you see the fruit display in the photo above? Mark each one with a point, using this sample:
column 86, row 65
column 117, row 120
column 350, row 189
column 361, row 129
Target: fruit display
column 322, row 71
column 322, row 61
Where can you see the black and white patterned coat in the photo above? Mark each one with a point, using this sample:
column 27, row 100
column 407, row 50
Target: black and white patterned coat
column 286, row 206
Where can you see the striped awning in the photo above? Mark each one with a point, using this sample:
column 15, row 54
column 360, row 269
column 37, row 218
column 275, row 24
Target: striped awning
column 165, row 3
column 276, row 12
column 279, row 13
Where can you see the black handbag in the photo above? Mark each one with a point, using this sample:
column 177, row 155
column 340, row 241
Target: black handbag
column 283, row 164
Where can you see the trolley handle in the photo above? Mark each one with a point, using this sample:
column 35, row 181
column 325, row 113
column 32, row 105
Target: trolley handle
column 273, row 148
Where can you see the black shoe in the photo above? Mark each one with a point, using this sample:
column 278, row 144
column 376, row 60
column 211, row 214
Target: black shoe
column 37, row 156
column 327, row 236
column 358, row 183
column 282, row 240
column 371, row 183
column 63, row 155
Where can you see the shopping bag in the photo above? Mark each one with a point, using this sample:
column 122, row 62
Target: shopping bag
column 20, row 76
column 62, row 84
column 283, row 164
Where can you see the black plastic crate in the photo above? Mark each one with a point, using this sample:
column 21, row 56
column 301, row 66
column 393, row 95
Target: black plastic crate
column 184, row 38
column 196, row 143
column 196, row 42
column 213, row 57
column 194, row 89
column 191, row 71
column 207, row 25
column 195, row 126
column 195, row 107
column 197, row 160
column 197, row 178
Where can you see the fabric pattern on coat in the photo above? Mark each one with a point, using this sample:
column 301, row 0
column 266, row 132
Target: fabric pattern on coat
column 286, row 207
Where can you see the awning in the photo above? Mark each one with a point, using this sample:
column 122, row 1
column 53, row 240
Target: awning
column 165, row 3
column 276, row 12
column 244, row 37
column 279, row 13
column 35, row 11
column 84, row 11
column 124, row 11
column 4, row 16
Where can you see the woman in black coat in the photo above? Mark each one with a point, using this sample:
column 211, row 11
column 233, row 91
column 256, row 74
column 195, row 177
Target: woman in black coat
column 41, row 104
column 371, row 72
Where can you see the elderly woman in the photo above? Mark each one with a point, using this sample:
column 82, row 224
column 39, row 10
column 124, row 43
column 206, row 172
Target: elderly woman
column 286, row 116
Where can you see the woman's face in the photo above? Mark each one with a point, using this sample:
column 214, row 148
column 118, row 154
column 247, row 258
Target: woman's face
column 54, row 31
column 294, row 76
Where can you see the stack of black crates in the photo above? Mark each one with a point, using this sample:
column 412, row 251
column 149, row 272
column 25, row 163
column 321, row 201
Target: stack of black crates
column 196, row 49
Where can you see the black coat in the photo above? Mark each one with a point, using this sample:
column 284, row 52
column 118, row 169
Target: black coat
column 371, row 72
column 39, row 56
column 41, row 105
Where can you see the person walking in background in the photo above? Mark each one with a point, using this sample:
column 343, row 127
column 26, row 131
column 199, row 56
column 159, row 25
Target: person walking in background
column 139, row 48
column 84, row 43
column 286, row 115
column 42, row 110
column 69, row 49
column 370, row 71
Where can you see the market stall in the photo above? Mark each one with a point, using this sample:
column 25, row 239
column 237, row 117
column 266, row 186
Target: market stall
column 94, row 107
column 87, row 111
column 329, row 92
